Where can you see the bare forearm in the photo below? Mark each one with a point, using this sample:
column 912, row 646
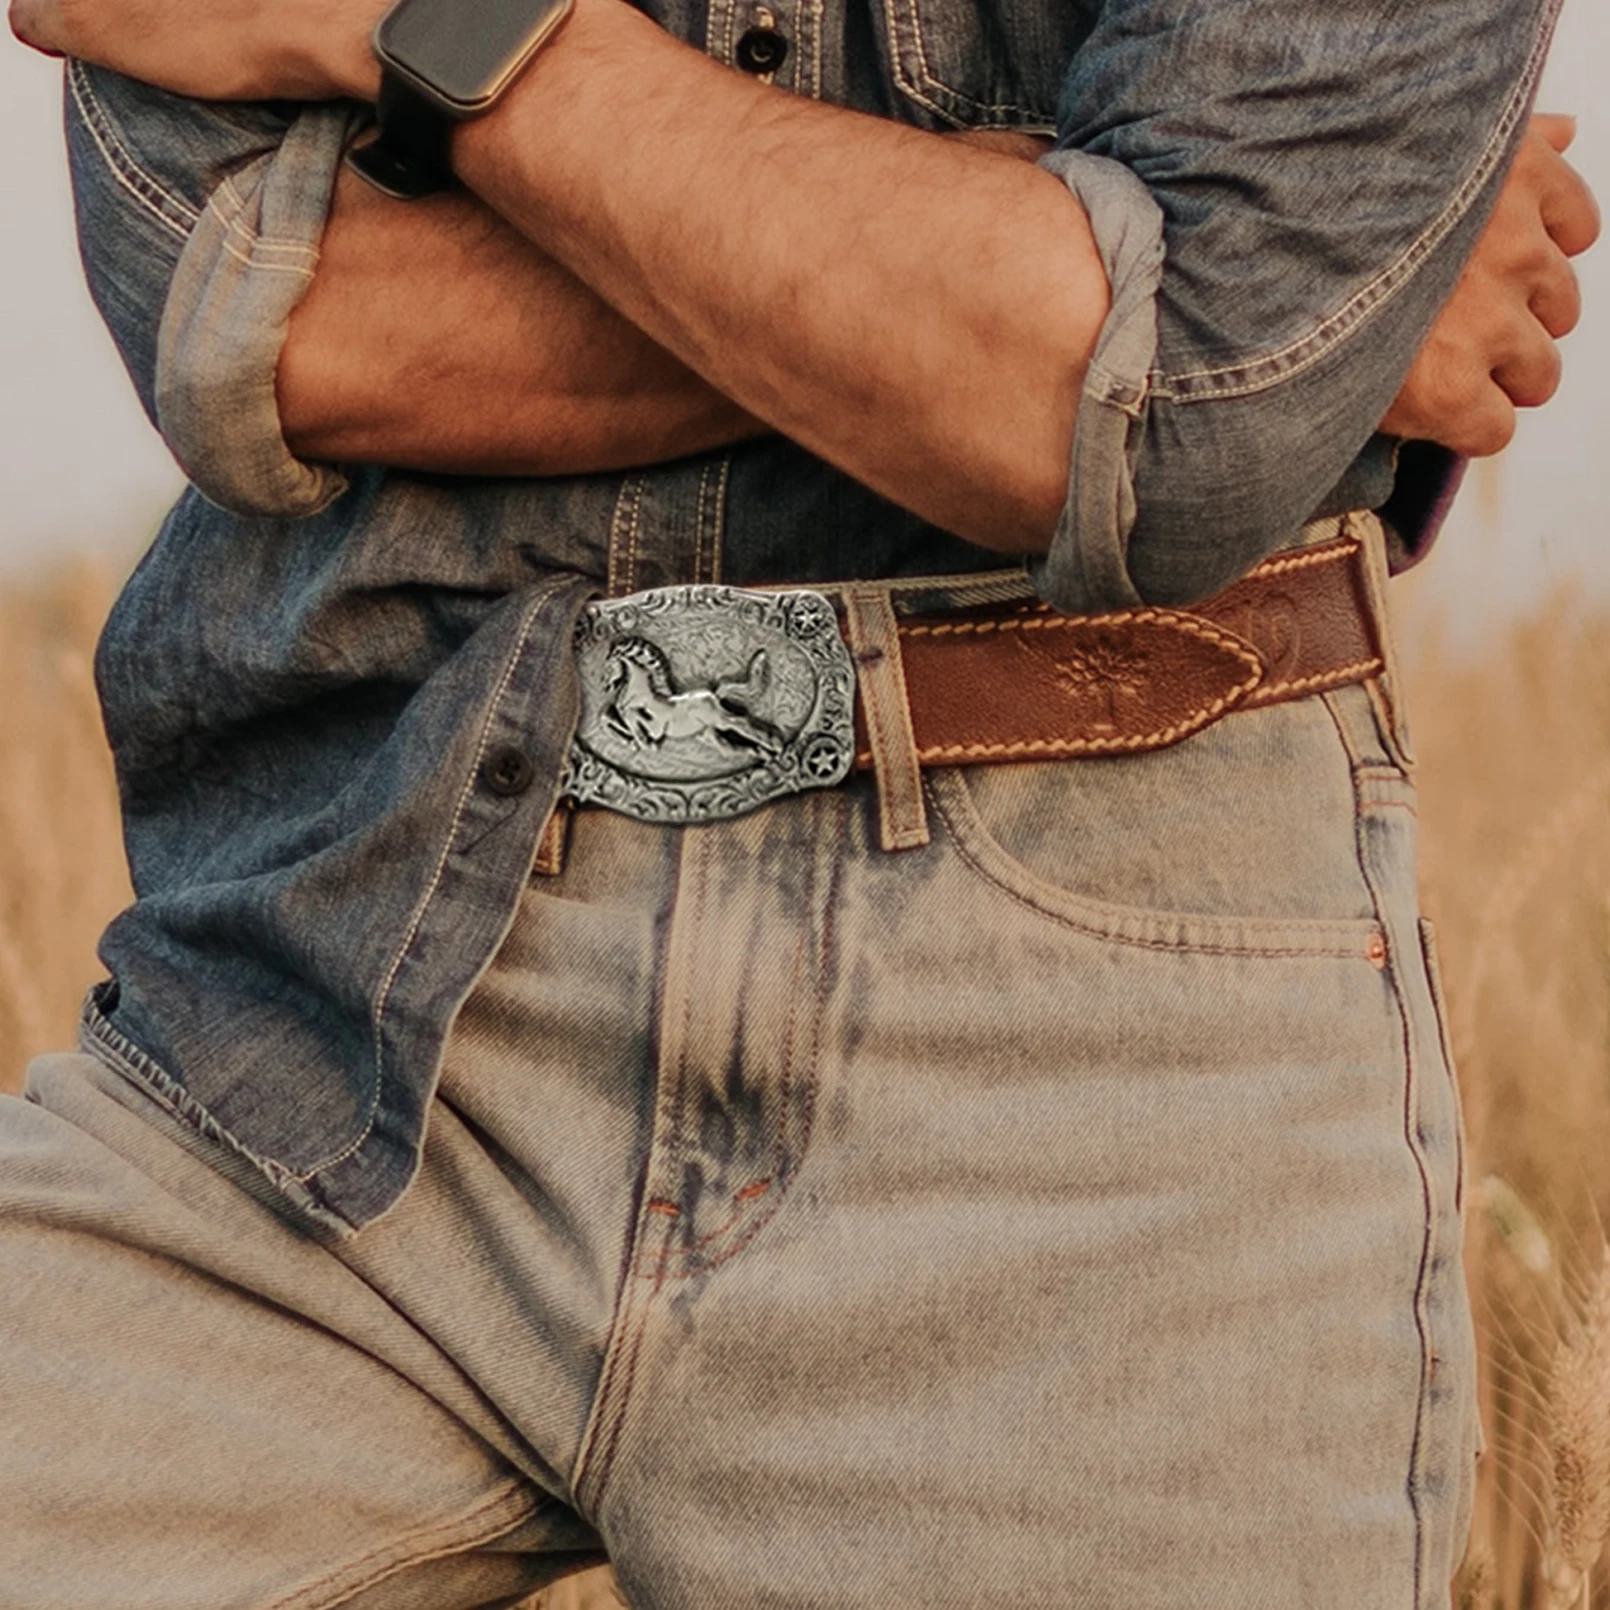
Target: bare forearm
column 436, row 338
column 918, row 311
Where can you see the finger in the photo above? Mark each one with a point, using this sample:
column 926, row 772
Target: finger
column 1530, row 375
column 1451, row 397
column 1485, row 428
column 1556, row 301
column 1569, row 210
column 31, row 21
column 1558, row 128
column 1561, row 195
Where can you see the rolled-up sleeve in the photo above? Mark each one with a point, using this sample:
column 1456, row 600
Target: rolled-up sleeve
column 1285, row 193
column 199, row 226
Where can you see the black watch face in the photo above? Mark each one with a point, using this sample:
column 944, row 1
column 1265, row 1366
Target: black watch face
column 465, row 52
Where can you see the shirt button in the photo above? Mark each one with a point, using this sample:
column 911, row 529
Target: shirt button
column 508, row 771
column 761, row 50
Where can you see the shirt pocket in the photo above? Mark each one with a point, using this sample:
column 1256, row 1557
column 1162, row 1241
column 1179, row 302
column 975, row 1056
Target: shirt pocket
column 982, row 63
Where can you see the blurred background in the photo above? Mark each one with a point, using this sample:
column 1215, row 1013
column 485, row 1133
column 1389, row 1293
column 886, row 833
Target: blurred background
column 1506, row 632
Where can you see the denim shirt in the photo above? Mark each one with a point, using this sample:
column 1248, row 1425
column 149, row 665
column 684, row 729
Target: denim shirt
column 307, row 675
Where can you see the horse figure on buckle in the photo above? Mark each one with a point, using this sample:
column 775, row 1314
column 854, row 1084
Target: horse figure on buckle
column 646, row 709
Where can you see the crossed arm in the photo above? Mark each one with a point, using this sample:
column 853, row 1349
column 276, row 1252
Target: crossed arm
column 439, row 338
column 920, row 311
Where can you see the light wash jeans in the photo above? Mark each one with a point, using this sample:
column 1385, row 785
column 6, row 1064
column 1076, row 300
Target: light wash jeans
column 1062, row 1215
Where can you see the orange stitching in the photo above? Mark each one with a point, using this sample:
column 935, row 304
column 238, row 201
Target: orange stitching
column 1307, row 558
column 1052, row 747
column 653, row 1262
column 1324, row 679
column 1190, row 625
column 1043, row 618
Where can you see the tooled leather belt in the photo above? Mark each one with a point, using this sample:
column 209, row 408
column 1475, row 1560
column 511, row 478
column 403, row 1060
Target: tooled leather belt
column 699, row 703
column 1021, row 682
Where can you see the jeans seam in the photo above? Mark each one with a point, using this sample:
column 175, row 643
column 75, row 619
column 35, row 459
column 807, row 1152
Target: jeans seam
column 1450, row 1069
column 441, row 1539
column 1422, row 1293
column 648, row 1237
column 1422, row 1163
column 652, row 1253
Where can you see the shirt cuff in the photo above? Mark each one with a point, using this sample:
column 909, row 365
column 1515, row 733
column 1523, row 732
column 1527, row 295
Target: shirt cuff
column 246, row 265
column 1085, row 569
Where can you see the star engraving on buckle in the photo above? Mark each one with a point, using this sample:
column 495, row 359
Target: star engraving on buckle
column 700, row 703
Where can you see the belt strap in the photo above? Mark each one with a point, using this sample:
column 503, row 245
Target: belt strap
column 1021, row 682
column 702, row 702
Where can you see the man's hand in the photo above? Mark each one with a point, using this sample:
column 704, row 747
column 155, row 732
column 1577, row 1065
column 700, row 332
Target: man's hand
column 1493, row 350
column 222, row 50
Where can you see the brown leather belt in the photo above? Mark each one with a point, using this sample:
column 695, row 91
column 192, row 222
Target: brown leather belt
column 1020, row 682
column 685, row 689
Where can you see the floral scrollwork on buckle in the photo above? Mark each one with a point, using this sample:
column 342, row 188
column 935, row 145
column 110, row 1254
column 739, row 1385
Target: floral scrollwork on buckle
column 699, row 703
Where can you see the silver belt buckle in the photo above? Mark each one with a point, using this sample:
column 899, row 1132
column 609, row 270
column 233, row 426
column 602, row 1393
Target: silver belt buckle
column 699, row 703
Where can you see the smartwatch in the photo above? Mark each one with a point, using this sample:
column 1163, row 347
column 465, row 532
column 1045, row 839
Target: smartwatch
column 442, row 62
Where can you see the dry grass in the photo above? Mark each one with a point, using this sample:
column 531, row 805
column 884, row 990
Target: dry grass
column 1516, row 813
column 1515, row 794
column 61, row 862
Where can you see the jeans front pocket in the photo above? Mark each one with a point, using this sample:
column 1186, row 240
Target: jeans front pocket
column 1241, row 839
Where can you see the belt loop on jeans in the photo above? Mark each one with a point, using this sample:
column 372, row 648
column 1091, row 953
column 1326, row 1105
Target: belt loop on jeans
column 554, row 842
column 1386, row 689
column 880, row 672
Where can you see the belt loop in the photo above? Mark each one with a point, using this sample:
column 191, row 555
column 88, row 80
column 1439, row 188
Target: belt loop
column 1386, row 690
column 875, row 648
column 551, row 847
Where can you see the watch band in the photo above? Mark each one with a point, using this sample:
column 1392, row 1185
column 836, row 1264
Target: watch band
column 412, row 154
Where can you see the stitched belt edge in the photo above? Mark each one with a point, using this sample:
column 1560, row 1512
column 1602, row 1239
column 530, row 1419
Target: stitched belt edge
column 1013, row 680
column 1021, row 682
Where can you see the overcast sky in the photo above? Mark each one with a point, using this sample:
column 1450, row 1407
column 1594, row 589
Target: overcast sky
column 80, row 470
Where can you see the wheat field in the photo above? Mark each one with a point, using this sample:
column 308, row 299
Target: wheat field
column 1515, row 797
